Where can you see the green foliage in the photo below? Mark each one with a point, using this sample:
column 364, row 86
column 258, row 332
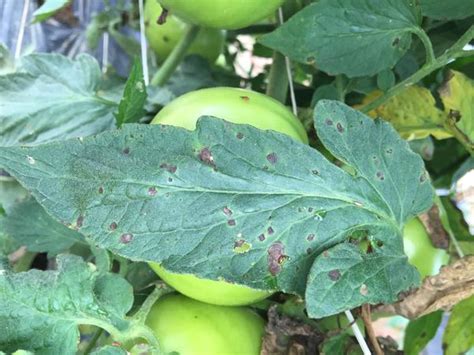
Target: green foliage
column 420, row 331
column 121, row 176
column 131, row 107
column 48, row 9
column 44, row 314
column 458, row 336
column 39, row 232
column 347, row 37
column 59, row 99
column 447, row 10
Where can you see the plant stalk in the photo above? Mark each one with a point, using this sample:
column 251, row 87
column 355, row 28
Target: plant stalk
column 277, row 79
column 176, row 56
column 455, row 51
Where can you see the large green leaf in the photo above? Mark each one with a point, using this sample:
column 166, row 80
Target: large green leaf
column 40, row 310
column 191, row 200
column 352, row 37
column 447, row 10
column 52, row 97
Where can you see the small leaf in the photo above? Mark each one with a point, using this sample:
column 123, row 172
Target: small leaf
column 458, row 336
column 186, row 199
column 447, row 10
column 40, row 310
column 419, row 332
column 457, row 94
column 48, row 9
column 131, row 107
column 385, row 79
column 29, row 224
column 412, row 112
column 59, row 100
column 347, row 37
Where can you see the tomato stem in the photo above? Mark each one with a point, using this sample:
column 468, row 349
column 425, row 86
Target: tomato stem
column 162, row 76
column 456, row 51
column 277, row 79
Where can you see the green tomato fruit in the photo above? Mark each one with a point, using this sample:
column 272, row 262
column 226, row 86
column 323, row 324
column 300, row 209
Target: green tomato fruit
column 420, row 251
column 188, row 327
column 210, row 291
column 225, row 14
column 209, row 43
column 234, row 105
column 237, row 106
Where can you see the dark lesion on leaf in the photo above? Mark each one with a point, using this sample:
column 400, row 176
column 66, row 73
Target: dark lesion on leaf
column 276, row 258
column 206, row 157
column 334, row 275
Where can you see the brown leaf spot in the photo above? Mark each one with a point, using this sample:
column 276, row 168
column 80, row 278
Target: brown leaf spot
column 152, row 191
column 79, row 221
column 340, row 128
column 126, row 238
column 276, row 257
column 272, row 158
column 310, row 237
column 231, row 222
column 162, row 18
column 113, row 226
column 227, row 211
column 329, row 122
column 261, row 237
column 126, row 151
column 270, row 230
column 240, row 135
column 169, row 167
column 334, row 275
column 206, row 156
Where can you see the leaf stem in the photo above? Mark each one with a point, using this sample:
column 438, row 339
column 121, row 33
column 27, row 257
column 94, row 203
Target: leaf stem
column 450, row 126
column 366, row 317
column 93, row 341
column 454, row 52
column 430, row 56
column 160, row 290
column 176, row 56
column 277, row 79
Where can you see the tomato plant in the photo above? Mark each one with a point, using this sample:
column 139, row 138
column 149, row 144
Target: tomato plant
column 289, row 180
column 186, row 326
column 221, row 13
column 162, row 38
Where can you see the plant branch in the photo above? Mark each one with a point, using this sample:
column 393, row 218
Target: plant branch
column 455, row 51
column 160, row 290
column 430, row 56
column 277, row 79
column 93, row 341
column 451, row 127
column 369, row 328
column 176, row 56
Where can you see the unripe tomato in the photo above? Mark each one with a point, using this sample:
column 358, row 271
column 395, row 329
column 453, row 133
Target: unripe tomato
column 210, row 291
column 420, row 251
column 188, row 327
column 237, row 106
column 209, row 43
column 226, row 14
column 233, row 105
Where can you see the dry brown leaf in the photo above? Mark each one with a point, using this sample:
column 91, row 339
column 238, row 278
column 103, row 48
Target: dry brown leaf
column 453, row 284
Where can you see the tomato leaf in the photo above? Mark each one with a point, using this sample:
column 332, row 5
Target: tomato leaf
column 29, row 224
column 457, row 94
column 447, row 10
column 458, row 336
column 352, row 37
column 131, row 107
column 40, row 310
column 191, row 199
column 59, row 99
column 412, row 112
column 48, row 9
column 420, row 331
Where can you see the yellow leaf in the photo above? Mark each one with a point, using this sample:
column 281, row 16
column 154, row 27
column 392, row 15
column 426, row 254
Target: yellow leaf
column 412, row 112
column 457, row 94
